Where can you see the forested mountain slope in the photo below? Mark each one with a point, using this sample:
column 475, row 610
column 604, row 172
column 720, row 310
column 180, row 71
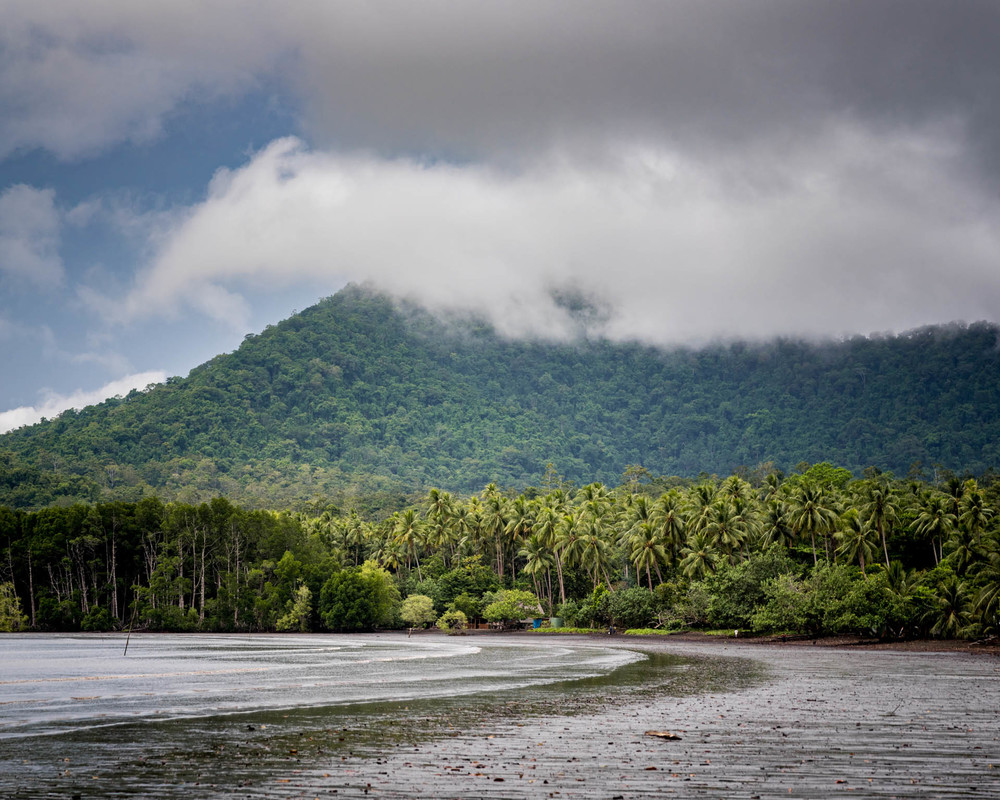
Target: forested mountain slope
column 354, row 396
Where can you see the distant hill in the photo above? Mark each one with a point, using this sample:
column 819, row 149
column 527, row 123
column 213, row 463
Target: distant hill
column 357, row 396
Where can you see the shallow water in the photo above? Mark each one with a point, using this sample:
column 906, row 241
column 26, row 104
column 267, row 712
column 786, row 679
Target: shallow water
column 490, row 716
column 198, row 715
column 53, row 684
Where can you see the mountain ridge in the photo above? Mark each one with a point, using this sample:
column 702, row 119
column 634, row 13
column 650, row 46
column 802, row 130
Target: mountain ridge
column 358, row 395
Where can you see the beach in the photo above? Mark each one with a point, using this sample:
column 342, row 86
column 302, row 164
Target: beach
column 817, row 721
column 745, row 720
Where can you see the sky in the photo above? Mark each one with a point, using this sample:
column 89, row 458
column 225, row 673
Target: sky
column 174, row 176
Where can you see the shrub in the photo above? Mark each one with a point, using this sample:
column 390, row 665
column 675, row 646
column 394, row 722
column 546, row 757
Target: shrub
column 738, row 591
column 632, row 608
column 452, row 621
column 349, row 602
column 299, row 616
column 11, row 618
column 508, row 605
column 418, row 610
column 784, row 606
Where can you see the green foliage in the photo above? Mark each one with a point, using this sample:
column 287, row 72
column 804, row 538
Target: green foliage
column 471, row 578
column 11, row 618
column 783, row 606
column 362, row 403
column 561, row 631
column 418, row 611
column 931, row 565
column 452, row 621
column 349, row 602
column 632, row 608
column 387, row 599
column 737, row 591
column 692, row 607
column 828, row 588
column 98, row 619
column 470, row 606
column 508, row 605
column 647, row 632
column 299, row 616
column 594, row 609
column 571, row 614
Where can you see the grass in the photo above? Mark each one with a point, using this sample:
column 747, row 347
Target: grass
column 568, row 630
column 650, row 632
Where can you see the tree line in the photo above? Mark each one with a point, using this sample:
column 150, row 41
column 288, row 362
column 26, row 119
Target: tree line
column 816, row 552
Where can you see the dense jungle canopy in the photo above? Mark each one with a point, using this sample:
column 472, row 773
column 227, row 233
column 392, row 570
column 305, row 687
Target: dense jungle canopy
column 334, row 467
column 816, row 552
column 361, row 402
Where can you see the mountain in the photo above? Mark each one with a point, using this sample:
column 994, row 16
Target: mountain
column 361, row 397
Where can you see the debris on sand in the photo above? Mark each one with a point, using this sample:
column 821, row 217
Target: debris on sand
column 664, row 735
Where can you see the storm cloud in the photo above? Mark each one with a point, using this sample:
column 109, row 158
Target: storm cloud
column 698, row 170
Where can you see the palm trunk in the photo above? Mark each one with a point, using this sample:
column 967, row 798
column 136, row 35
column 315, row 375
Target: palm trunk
column 562, row 587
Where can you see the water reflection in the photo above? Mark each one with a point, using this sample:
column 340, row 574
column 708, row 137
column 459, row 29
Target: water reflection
column 187, row 711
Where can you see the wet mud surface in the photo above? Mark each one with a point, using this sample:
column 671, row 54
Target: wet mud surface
column 753, row 722
column 817, row 723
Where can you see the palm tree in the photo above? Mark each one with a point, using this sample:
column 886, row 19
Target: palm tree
column 734, row 489
column 746, row 520
column 547, row 520
column 974, row 514
column 936, row 521
column 495, row 523
column 856, row 539
column 388, row 552
column 439, row 508
column 949, row 614
column 987, row 602
column 700, row 500
column 647, row 550
column 699, row 556
column 407, row 531
column 469, row 526
column 811, row 511
column 568, row 542
column 774, row 526
column 724, row 529
column 538, row 558
column 881, row 511
column 635, row 510
column 669, row 518
column 595, row 554
column 963, row 549
column 520, row 520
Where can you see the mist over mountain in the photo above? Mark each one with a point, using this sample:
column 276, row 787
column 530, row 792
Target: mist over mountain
column 360, row 396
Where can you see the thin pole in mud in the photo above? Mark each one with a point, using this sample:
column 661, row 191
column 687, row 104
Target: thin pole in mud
column 129, row 636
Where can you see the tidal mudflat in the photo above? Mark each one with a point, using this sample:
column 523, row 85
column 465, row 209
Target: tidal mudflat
column 492, row 716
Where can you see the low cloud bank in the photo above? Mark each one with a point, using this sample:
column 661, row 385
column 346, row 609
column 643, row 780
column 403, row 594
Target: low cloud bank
column 55, row 404
column 852, row 234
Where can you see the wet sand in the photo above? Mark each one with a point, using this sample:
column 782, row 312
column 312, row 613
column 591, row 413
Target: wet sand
column 754, row 720
column 819, row 721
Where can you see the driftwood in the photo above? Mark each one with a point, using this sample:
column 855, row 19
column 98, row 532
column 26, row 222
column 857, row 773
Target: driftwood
column 663, row 735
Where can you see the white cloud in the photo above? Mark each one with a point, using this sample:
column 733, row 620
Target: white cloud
column 702, row 169
column 854, row 233
column 29, row 236
column 76, row 78
column 54, row 404
column 488, row 79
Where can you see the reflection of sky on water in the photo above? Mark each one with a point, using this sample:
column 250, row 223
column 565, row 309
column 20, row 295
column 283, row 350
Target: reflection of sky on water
column 56, row 683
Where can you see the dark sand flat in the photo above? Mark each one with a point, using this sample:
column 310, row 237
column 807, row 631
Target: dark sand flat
column 754, row 720
column 809, row 722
